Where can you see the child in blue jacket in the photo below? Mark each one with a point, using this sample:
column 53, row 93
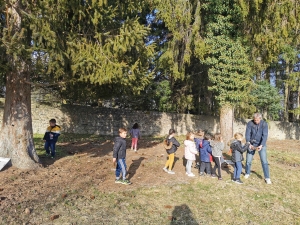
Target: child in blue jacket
column 50, row 138
column 205, row 152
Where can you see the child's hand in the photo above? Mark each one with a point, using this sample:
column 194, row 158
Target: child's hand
column 259, row 148
column 114, row 160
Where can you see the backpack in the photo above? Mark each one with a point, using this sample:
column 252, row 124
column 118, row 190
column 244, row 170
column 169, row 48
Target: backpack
column 167, row 144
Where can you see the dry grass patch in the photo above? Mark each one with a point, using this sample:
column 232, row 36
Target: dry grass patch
column 81, row 190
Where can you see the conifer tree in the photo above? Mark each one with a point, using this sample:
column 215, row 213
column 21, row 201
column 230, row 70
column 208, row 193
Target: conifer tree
column 272, row 29
column 229, row 67
column 99, row 42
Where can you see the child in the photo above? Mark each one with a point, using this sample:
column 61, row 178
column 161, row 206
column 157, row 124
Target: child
column 119, row 156
column 205, row 152
column 135, row 134
column 198, row 140
column 171, row 151
column 189, row 152
column 217, row 146
column 237, row 156
column 50, row 137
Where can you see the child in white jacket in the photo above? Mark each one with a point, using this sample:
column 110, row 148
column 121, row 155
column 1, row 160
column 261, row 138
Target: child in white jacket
column 190, row 152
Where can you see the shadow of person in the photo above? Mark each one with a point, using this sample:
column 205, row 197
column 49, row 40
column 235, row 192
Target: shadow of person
column 175, row 160
column 258, row 175
column 184, row 161
column 182, row 215
column 134, row 167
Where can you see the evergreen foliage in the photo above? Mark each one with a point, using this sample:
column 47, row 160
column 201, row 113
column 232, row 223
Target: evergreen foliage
column 267, row 100
column 169, row 55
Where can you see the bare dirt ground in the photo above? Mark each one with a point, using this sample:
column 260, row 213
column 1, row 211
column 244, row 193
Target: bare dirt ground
column 86, row 172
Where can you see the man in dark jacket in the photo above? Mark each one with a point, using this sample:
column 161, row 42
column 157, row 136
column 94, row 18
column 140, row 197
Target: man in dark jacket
column 119, row 156
column 257, row 135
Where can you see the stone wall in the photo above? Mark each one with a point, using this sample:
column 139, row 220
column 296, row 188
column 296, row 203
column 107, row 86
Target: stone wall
column 106, row 121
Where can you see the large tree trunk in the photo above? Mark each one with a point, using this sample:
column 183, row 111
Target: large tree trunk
column 226, row 123
column 16, row 140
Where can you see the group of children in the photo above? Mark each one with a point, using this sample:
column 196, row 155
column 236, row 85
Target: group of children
column 208, row 146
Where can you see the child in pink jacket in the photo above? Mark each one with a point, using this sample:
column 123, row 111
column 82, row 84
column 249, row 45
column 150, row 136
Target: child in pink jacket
column 190, row 152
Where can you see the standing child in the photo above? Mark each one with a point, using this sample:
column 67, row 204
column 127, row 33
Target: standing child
column 190, row 152
column 119, row 156
column 237, row 156
column 217, row 146
column 135, row 135
column 205, row 153
column 171, row 152
column 50, row 137
column 198, row 140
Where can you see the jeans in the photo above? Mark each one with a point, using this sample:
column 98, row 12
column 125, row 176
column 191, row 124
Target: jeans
column 51, row 145
column 263, row 158
column 237, row 170
column 121, row 168
column 189, row 166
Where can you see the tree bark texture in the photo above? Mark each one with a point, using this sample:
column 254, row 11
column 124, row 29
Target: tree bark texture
column 226, row 123
column 16, row 141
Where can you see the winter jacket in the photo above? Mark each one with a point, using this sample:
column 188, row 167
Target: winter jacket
column 238, row 150
column 217, row 148
column 119, row 150
column 135, row 133
column 174, row 146
column 205, row 151
column 55, row 131
column 190, row 150
column 257, row 134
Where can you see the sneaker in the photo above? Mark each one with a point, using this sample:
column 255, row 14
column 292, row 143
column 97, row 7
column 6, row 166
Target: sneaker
column 191, row 175
column 126, row 182
column 246, row 176
column 213, row 176
column 268, row 181
column 165, row 169
column 171, row 172
column 233, row 180
column 201, row 174
column 238, row 181
column 186, row 173
column 47, row 155
column 220, row 178
column 118, row 181
column 52, row 157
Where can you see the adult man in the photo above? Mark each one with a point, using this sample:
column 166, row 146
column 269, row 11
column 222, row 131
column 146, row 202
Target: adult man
column 257, row 134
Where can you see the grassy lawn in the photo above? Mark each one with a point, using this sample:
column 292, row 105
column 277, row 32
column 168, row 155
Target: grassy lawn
column 175, row 199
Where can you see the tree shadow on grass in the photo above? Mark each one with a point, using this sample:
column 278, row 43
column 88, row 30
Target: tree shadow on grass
column 182, row 215
column 134, row 167
column 94, row 146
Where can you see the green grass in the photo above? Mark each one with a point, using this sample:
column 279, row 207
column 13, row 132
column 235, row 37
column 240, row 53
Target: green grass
column 202, row 201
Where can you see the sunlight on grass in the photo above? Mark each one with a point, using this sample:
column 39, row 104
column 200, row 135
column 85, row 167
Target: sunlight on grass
column 201, row 201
